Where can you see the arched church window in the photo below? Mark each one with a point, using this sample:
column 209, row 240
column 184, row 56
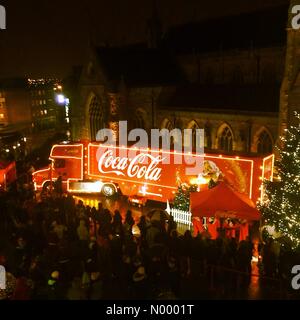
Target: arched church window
column 207, row 137
column 226, row 140
column 264, row 143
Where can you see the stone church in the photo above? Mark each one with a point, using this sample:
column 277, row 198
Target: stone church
column 236, row 77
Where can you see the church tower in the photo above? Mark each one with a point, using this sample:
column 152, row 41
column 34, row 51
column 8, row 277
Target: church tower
column 290, row 88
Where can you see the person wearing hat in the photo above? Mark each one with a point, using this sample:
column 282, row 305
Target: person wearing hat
column 139, row 275
column 173, row 275
column 54, row 289
column 96, row 289
column 140, row 284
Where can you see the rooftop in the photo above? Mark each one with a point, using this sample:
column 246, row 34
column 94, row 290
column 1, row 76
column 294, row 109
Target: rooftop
column 139, row 66
column 254, row 98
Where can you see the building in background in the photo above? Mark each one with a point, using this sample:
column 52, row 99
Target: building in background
column 31, row 112
column 15, row 105
column 71, row 85
column 47, row 104
column 221, row 75
column 15, row 117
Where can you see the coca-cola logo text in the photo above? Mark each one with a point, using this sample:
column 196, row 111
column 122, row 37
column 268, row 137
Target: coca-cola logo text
column 141, row 166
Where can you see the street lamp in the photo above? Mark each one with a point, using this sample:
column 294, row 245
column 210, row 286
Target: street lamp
column 60, row 98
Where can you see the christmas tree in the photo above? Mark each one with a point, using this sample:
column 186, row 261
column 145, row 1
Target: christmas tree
column 281, row 205
column 182, row 197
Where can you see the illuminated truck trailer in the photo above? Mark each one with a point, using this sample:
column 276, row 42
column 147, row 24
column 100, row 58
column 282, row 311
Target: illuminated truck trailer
column 141, row 173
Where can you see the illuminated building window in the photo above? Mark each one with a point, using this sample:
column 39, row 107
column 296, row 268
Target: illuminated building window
column 1, row 116
column 226, row 140
column 44, row 102
column 45, row 111
column 264, row 143
column 41, row 102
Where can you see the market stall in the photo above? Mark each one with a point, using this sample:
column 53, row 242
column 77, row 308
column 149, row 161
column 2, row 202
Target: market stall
column 223, row 208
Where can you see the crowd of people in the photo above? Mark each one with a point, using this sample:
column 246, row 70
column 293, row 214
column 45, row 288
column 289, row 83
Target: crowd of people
column 55, row 248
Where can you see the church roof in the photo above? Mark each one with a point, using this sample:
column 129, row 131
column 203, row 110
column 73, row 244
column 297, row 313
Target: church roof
column 252, row 98
column 138, row 66
column 265, row 28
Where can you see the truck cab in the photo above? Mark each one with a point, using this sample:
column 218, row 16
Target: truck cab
column 8, row 174
column 71, row 163
column 66, row 162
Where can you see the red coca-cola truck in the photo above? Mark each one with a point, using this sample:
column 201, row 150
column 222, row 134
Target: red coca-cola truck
column 8, row 174
column 143, row 174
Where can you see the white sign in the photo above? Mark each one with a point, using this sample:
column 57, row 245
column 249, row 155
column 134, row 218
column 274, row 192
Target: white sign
column 296, row 278
column 2, row 278
column 2, row 18
column 296, row 19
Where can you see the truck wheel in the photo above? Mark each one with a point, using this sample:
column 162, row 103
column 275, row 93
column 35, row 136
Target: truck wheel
column 47, row 186
column 109, row 190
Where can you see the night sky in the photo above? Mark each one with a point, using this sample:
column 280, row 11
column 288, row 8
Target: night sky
column 47, row 37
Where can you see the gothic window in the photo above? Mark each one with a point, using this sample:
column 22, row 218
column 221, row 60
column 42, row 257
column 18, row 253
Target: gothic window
column 207, row 137
column 113, row 104
column 167, row 124
column 194, row 126
column 96, row 117
column 226, row 140
column 194, row 136
column 264, row 143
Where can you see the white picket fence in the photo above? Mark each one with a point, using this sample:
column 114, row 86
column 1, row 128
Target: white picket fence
column 184, row 217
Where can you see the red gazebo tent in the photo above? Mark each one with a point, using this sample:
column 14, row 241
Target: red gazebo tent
column 223, row 201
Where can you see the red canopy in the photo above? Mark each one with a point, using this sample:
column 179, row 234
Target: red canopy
column 222, row 200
